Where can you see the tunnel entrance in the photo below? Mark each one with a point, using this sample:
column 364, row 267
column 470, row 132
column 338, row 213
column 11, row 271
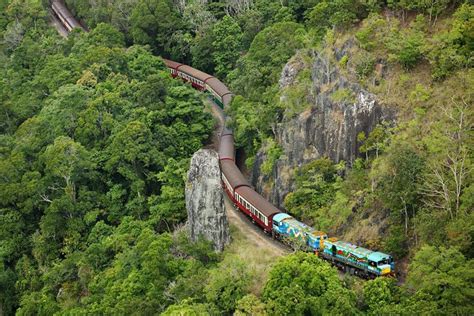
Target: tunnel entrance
column 240, row 157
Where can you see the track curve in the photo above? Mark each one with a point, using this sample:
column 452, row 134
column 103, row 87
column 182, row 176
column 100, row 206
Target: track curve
column 223, row 141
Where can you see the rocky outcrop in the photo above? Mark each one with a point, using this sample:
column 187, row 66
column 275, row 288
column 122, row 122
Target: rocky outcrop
column 339, row 110
column 205, row 200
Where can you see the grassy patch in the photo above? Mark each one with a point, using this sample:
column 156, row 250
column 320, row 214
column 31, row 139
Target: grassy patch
column 259, row 260
column 343, row 96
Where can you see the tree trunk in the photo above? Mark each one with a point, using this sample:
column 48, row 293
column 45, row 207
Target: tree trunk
column 406, row 215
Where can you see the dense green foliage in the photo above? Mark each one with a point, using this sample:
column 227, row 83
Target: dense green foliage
column 303, row 284
column 438, row 283
column 317, row 183
column 95, row 144
column 96, row 138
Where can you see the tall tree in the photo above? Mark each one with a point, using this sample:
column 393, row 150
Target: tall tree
column 303, row 284
column 153, row 22
column 227, row 45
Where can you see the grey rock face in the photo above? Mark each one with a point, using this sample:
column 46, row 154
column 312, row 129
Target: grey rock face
column 329, row 128
column 205, row 200
column 289, row 73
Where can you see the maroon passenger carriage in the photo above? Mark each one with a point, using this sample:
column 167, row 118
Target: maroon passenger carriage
column 235, row 185
column 201, row 81
column 65, row 16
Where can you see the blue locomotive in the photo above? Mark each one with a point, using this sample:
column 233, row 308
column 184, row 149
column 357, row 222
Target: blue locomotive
column 346, row 256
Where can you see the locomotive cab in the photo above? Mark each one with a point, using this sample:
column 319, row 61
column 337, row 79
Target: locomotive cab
column 279, row 226
column 381, row 263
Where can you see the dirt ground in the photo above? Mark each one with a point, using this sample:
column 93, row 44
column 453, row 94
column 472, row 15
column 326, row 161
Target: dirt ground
column 255, row 235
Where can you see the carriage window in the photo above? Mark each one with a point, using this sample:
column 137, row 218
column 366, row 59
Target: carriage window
column 382, row 262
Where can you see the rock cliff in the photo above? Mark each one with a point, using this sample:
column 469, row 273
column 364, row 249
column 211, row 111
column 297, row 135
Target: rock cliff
column 339, row 109
column 205, row 200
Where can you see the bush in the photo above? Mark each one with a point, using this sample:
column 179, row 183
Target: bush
column 406, row 46
column 372, row 32
column 343, row 61
column 364, row 64
column 343, row 95
column 452, row 49
column 273, row 151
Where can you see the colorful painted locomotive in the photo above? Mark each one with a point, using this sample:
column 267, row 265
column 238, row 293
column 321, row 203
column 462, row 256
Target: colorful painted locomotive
column 357, row 260
column 288, row 228
column 351, row 258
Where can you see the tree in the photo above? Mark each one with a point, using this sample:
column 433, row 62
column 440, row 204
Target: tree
column 302, row 284
column 250, row 305
column 407, row 46
column 256, row 77
column 202, row 52
column 450, row 167
column 452, row 49
column 66, row 160
column 189, row 308
column 315, row 191
column 442, row 276
column 379, row 293
column 228, row 284
column 338, row 13
column 153, row 22
column 273, row 46
column 141, row 64
column 396, row 179
column 198, row 18
column 377, row 141
column 91, row 126
column 7, row 290
column 106, row 35
column 227, row 37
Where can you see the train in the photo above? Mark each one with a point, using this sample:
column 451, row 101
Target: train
column 65, row 17
column 280, row 225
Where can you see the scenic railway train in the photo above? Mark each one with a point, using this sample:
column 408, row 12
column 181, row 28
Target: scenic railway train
column 346, row 256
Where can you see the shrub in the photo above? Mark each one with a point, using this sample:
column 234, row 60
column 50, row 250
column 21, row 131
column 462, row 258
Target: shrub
column 452, row 49
column 343, row 95
column 406, row 47
column 273, row 151
column 364, row 64
column 343, row 61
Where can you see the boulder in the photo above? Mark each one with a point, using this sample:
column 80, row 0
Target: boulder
column 205, row 200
